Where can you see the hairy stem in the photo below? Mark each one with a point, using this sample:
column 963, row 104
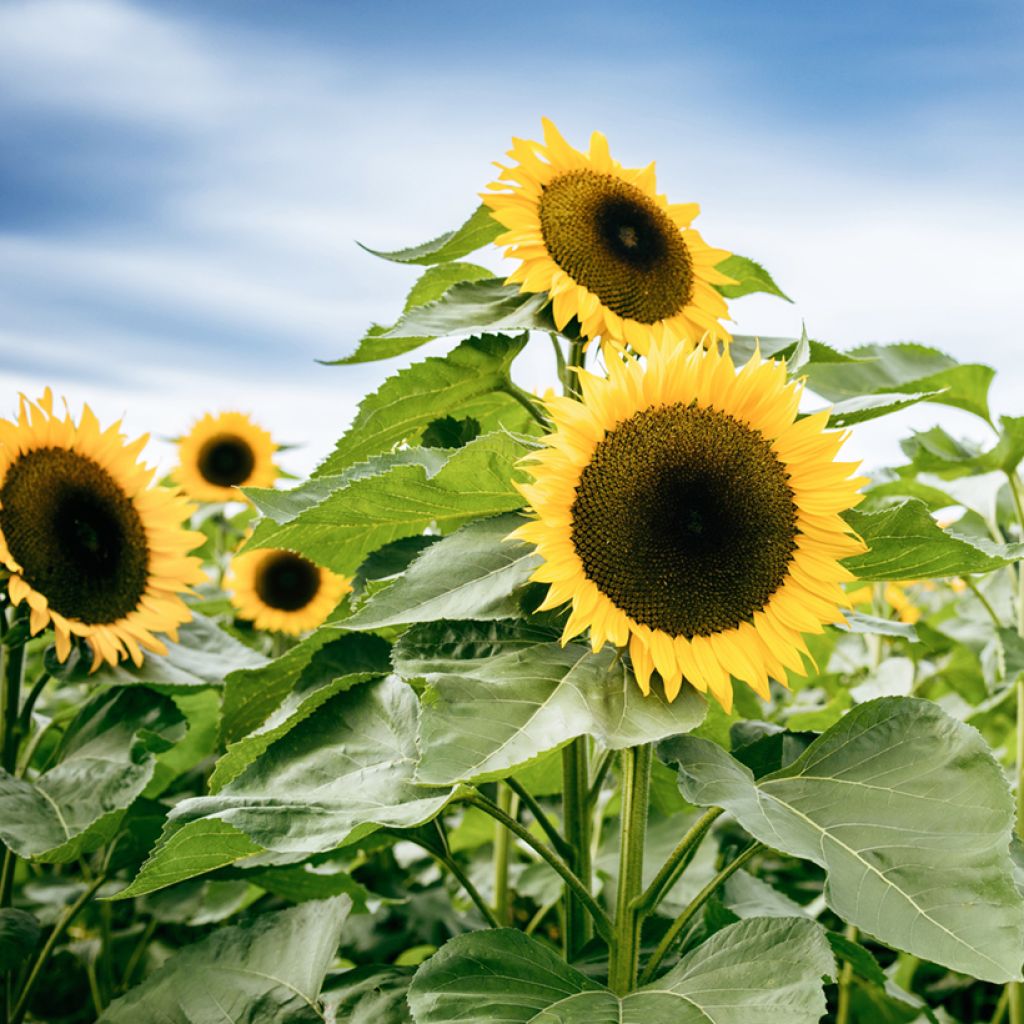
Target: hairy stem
column 502, row 842
column 529, row 801
column 845, row 982
column 576, row 811
column 677, row 862
column 624, row 952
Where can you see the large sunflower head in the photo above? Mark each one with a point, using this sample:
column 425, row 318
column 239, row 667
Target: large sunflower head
column 283, row 592
column 606, row 246
column 684, row 510
column 222, row 453
column 89, row 545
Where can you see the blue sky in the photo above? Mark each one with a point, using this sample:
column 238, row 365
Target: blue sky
column 181, row 183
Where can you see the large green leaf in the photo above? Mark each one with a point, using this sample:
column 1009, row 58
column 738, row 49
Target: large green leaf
column 340, row 774
column 20, row 933
column 909, row 814
column 203, row 656
column 504, row 693
column 432, row 284
column 345, row 662
column 906, row 543
column 904, row 367
column 404, row 404
column 473, row 574
column 105, row 761
column 251, row 695
column 750, row 277
column 267, row 970
column 476, row 481
column 475, row 306
column 869, row 407
column 761, row 971
column 480, row 229
column 369, row 995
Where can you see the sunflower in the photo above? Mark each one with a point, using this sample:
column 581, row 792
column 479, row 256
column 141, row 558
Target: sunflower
column 222, row 453
column 95, row 551
column 282, row 591
column 687, row 512
column 606, row 246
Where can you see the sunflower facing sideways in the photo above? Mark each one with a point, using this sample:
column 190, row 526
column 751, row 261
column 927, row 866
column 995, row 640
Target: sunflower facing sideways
column 282, row 592
column 606, row 246
column 685, row 511
column 93, row 549
column 222, row 453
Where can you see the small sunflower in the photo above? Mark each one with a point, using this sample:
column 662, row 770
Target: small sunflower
column 90, row 545
column 283, row 592
column 685, row 511
column 222, row 453
column 606, row 246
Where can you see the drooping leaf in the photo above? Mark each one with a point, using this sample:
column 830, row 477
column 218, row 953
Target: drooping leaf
column 476, row 481
column 909, row 814
column 858, row 622
column 404, row 404
column 473, row 307
column 299, row 883
column 906, row 543
column 472, row 574
column 475, row 233
column 267, row 970
column 750, row 276
column 104, row 763
column 760, row 971
column 798, row 352
column 504, row 693
column 904, row 367
column 340, row 774
column 203, row 656
column 862, row 408
column 20, row 932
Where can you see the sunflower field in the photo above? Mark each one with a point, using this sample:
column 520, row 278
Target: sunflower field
column 636, row 700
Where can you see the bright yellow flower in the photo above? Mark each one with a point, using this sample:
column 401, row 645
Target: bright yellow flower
column 608, row 249
column 283, row 592
column 94, row 549
column 684, row 510
column 895, row 596
column 222, row 453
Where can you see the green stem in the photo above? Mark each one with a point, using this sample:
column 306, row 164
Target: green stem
column 577, row 357
column 502, row 842
column 599, row 776
column 28, row 705
column 529, row 801
column 576, row 812
column 471, row 890
column 624, row 951
column 677, row 862
column 137, row 954
column 692, row 910
column 845, row 982
column 1000, row 1011
column 528, row 403
column 985, row 603
column 600, row 918
column 21, row 1006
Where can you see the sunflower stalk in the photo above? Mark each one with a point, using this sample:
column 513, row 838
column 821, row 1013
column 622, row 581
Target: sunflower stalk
column 624, row 952
column 502, row 843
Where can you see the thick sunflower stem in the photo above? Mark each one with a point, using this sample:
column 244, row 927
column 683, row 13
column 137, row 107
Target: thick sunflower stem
column 624, row 952
column 845, row 983
column 502, row 845
column 576, row 813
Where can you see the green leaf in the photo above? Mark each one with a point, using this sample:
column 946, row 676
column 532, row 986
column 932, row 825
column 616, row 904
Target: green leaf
column 799, row 352
column 750, row 276
column 203, row 656
column 433, row 283
column 333, row 668
column 904, row 367
column 869, row 407
column 858, row 622
column 20, row 932
column 340, row 774
column 908, row 813
column 399, row 410
column 299, row 883
column 906, row 543
column 761, row 971
column 369, row 995
column 747, row 897
column 473, row 574
column 476, row 481
column 267, row 970
column 475, row 306
column 480, row 229
column 105, row 761
column 504, row 693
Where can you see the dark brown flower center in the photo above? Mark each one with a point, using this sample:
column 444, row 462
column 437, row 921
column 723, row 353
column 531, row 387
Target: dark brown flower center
column 287, row 581
column 684, row 519
column 77, row 536
column 613, row 239
column 226, row 460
